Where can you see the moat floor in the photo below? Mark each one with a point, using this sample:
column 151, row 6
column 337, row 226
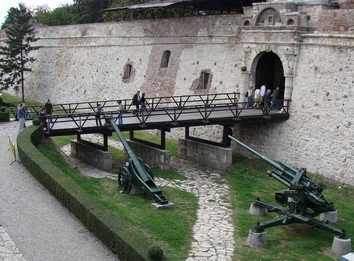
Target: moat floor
column 213, row 232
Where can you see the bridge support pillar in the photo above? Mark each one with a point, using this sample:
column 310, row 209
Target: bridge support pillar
column 209, row 155
column 91, row 154
column 151, row 155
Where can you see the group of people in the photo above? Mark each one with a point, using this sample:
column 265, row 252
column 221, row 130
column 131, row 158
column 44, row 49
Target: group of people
column 45, row 113
column 139, row 101
column 99, row 114
column 263, row 97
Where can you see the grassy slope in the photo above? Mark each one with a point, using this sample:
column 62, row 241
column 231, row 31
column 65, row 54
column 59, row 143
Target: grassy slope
column 171, row 229
column 248, row 180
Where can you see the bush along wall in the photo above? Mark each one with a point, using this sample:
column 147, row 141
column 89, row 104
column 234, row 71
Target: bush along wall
column 103, row 223
column 4, row 116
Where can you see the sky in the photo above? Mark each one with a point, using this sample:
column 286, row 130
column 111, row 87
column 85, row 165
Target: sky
column 5, row 5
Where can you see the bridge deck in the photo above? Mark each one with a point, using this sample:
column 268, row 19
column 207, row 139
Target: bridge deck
column 162, row 113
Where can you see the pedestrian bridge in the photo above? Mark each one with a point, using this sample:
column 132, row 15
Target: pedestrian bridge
column 162, row 113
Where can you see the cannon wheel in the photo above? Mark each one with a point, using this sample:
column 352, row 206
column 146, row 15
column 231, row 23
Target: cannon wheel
column 149, row 171
column 125, row 180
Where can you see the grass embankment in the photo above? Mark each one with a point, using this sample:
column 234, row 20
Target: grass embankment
column 171, row 229
column 16, row 100
column 248, row 180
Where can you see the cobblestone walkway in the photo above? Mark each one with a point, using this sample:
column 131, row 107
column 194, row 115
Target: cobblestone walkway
column 213, row 232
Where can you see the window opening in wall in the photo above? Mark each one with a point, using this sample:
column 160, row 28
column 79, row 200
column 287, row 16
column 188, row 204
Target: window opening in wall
column 203, row 81
column 290, row 22
column 270, row 19
column 127, row 71
column 246, row 23
column 165, row 59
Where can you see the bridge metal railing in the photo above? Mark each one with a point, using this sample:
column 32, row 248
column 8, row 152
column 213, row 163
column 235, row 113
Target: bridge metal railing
column 170, row 109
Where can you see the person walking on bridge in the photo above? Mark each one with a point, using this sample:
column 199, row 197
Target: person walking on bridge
column 120, row 110
column 257, row 98
column 275, row 99
column 98, row 113
column 136, row 102
column 49, row 109
column 249, row 96
column 263, row 92
column 143, row 103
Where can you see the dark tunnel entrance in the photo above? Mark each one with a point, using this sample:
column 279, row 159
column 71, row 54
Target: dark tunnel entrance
column 270, row 71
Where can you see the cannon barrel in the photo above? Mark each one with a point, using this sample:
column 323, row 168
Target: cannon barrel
column 284, row 173
column 275, row 164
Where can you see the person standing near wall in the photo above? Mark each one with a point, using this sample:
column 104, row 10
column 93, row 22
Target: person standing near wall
column 21, row 115
column 250, row 97
column 136, row 102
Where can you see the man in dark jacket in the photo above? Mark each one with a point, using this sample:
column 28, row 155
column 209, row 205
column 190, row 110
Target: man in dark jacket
column 267, row 99
column 136, row 101
column 48, row 109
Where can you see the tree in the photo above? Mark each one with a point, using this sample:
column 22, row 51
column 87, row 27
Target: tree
column 89, row 11
column 59, row 16
column 14, row 55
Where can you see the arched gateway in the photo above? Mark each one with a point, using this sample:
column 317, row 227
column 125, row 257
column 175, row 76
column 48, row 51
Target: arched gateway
column 269, row 71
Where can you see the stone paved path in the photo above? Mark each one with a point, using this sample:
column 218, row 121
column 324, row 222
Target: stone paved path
column 213, row 232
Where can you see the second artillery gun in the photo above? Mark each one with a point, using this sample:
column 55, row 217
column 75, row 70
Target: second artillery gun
column 138, row 174
column 300, row 204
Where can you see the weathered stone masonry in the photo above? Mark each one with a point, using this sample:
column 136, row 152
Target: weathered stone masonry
column 88, row 62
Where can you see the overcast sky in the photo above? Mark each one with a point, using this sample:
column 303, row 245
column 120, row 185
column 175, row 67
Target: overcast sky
column 5, row 5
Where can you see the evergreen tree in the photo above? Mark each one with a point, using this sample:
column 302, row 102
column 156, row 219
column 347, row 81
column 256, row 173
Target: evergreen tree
column 14, row 55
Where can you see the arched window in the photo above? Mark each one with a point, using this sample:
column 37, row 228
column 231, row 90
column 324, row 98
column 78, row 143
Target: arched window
column 246, row 23
column 165, row 59
column 290, row 22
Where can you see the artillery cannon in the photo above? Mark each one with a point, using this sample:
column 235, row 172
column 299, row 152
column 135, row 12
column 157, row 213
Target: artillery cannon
column 300, row 204
column 137, row 173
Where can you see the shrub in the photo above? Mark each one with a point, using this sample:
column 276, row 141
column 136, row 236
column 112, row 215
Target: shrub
column 36, row 121
column 2, row 109
column 155, row 253
column 4, row 116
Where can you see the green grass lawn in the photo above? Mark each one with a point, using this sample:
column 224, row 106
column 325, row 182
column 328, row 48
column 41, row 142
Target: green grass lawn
column 248, row 180
column 171, row 229
column 16, row 100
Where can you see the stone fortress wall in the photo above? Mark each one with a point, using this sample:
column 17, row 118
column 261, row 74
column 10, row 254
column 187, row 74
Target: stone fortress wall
column 314, row 43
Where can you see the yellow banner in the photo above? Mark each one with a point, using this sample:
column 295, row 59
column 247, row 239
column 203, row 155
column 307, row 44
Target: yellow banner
column 13, row 149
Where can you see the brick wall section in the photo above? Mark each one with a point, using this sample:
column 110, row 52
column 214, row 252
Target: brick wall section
column 336, row 21
column 346, row 4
